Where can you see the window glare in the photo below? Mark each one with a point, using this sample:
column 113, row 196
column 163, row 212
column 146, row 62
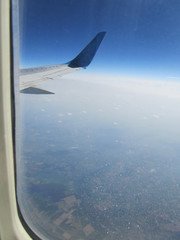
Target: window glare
column 97, row 118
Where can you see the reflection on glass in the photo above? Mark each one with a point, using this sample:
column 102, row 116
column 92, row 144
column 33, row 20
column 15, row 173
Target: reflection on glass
column 100, row 157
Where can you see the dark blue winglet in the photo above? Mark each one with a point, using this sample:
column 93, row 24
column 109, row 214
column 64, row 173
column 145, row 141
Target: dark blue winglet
column 86, row 55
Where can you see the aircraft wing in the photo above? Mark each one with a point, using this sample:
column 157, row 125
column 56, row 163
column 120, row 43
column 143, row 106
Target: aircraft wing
column 31, row 77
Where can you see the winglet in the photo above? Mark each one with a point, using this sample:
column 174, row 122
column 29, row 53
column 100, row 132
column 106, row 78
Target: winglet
column 86, row 55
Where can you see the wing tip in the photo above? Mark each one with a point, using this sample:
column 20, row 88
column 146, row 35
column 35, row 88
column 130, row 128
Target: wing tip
column 84, row 58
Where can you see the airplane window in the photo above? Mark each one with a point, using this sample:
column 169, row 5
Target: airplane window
column 97, row 119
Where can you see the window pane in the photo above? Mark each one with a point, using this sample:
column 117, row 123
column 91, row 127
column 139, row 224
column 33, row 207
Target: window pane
column 99, row 158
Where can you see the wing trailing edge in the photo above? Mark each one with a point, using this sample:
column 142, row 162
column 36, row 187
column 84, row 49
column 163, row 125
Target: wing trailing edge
column 35, row 90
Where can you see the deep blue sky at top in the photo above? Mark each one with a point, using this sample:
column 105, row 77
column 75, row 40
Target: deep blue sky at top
column 143, row 36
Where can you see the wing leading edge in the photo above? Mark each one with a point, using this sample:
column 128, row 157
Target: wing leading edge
column 31, row 77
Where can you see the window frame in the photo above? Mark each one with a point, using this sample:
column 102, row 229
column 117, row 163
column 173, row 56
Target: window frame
column 11, row 228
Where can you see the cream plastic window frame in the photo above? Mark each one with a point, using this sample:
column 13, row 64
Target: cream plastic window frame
column 10, row 224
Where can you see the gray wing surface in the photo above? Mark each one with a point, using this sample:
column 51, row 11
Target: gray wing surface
column 31, row 77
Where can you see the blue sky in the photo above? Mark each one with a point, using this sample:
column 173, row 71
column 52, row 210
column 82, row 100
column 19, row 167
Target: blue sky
column 142, row 40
